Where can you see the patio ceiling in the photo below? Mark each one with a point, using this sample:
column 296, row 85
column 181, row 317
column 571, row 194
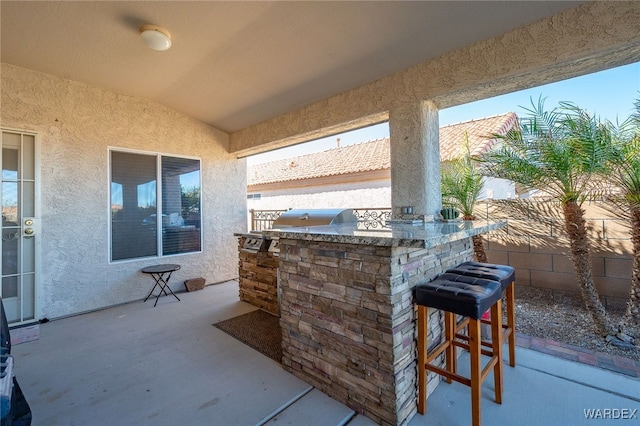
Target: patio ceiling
column 236, row 64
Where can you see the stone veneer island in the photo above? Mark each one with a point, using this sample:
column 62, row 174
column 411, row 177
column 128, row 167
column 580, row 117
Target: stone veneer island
column 347, row 310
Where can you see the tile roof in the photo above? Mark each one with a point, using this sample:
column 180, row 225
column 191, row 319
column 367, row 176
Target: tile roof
column 374, row 155
column 480, row 132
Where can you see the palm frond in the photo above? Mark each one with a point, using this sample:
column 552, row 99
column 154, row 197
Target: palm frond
column 556, row 151
column 625, row 166
column 461, row 181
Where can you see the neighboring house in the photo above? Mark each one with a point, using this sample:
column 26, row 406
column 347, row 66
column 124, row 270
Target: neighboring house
column 359, row 176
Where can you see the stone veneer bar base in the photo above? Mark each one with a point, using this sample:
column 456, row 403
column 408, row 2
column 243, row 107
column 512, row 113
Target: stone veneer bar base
column 348, row 320
column 258, row 277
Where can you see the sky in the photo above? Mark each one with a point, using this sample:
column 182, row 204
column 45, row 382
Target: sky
column 608, row 94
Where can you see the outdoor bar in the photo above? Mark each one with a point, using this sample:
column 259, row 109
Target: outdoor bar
column 347, row 307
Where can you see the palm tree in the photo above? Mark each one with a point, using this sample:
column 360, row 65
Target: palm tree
column 461, row 184
column 558, row 152
column 625, row 176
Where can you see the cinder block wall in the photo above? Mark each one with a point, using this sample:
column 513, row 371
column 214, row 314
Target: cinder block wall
column 534, row 242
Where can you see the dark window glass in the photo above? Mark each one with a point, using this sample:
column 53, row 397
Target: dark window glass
column 135, row 225
column 180, row 205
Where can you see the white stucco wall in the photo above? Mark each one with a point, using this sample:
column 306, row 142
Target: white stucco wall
column 76, row 123
column 362, row 194
column 498, row 189
column 366, row 194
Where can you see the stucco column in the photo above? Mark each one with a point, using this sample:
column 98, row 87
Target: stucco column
column 415, row 159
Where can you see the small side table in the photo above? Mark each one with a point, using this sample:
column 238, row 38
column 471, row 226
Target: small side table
column 161, row 274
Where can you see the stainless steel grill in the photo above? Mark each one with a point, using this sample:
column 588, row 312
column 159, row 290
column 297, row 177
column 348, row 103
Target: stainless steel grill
column 314, row 217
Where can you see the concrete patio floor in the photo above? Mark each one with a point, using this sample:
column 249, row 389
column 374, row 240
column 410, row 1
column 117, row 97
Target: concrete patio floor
column 138, row 365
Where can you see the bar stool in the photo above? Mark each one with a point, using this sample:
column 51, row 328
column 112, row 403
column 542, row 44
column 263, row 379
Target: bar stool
column 506, row 275
column 470, row 297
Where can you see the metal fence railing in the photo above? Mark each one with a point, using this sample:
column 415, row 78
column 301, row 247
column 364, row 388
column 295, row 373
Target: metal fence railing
column 263, row 219
column 372, row 218
column 369, row 218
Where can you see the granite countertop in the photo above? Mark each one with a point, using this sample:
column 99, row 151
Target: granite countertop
column 422, row 235
column 253, row 234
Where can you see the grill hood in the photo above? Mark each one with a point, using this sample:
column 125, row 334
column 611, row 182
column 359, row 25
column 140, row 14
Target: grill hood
column 314, row 217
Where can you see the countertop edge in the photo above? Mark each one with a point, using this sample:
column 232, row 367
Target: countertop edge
column 419, row 236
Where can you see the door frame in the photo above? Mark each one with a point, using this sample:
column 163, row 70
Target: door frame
column 37, row 225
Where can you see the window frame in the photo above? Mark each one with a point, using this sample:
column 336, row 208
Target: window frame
column 159, row 188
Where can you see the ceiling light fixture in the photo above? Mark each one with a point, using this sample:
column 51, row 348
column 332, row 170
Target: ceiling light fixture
column 156, row 37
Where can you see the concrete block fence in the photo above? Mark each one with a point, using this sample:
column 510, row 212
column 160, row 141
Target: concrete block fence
column 534, row 243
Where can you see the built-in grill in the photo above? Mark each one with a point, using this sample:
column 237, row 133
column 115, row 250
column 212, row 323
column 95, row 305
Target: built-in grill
column 274, row 246
column 310, row 217
column 314, row 217
column 253, row 244
column 259, row 273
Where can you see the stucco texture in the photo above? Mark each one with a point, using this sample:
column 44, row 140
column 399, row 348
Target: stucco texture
column 364, row 194
column 589, row 38
column 76, row 124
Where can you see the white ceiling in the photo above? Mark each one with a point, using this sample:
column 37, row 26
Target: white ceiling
column 235, row 64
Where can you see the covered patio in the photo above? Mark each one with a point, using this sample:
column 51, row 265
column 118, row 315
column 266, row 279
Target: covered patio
column 134, row 364
column 243, row 78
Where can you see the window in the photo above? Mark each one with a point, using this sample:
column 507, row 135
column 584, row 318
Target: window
column 145, row 187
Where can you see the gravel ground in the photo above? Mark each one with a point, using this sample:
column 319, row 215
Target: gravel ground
column 561, row 316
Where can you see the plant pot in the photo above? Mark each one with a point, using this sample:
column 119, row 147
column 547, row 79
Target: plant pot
column 194, row 284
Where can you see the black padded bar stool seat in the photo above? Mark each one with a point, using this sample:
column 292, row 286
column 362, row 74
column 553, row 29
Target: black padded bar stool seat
column 470, row 297
column 467, row 296
column 506, row 275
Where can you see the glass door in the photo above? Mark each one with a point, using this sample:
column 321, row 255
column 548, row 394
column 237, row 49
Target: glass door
column 19, row 226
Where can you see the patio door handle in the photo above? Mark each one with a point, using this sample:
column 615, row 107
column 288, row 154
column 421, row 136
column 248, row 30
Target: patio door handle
column 30, row 227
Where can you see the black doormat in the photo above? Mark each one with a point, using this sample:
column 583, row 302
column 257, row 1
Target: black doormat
column 257, row 329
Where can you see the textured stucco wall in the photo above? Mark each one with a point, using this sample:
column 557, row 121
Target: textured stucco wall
column 360, row 194
column 76, row 124
column 592, row 37
column 371, row 194
column 415, row 158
